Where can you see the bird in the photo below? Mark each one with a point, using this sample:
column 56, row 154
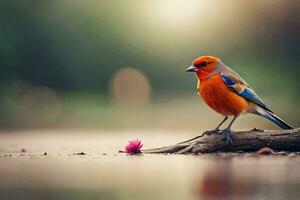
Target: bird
column 226, row 92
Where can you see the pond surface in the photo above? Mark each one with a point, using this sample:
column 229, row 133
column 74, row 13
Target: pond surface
column 48, row 165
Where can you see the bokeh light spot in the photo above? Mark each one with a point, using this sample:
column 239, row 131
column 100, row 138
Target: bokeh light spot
column 38, row 106
column 177, row 11
column 130, row 87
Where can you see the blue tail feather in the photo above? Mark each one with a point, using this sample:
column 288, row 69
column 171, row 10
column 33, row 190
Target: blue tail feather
column 276, row 120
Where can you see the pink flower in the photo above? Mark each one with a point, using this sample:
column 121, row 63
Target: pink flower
column 134, row 147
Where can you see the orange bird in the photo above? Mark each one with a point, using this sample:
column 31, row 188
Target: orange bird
column 227, row 93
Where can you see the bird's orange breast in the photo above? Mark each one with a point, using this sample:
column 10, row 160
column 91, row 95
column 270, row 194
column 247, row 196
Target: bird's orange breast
column 220, row 98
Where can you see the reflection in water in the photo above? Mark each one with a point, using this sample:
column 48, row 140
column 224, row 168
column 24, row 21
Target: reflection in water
column 220, row 182
column 261, row 178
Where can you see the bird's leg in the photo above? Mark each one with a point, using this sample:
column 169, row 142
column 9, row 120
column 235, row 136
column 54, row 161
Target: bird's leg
column 227, row 132
column 217, row 129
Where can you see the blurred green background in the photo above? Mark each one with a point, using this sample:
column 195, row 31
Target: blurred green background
column 113, row 64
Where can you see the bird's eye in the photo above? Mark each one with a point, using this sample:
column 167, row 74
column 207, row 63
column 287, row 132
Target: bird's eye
column 204, row 64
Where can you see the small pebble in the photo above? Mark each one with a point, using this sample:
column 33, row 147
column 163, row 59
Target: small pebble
column 291, row 155
column 81, row 153
column 283, row 153
column 265, row 151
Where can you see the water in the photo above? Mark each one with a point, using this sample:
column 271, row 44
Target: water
column 102, row 173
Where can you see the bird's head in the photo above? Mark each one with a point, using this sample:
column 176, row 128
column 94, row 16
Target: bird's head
column 204, row 66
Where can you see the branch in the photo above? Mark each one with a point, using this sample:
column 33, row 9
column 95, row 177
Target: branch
column 282, row 140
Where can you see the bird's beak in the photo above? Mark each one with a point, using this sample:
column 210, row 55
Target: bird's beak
column 192, row 68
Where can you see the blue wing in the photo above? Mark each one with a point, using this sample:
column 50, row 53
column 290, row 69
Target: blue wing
column 241, row 88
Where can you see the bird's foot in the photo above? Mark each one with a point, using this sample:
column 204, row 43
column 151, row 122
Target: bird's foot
column 227, row 135
column 216, row 130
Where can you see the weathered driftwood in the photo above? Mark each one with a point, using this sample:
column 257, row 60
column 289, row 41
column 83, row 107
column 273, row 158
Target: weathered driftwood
column 281, row 140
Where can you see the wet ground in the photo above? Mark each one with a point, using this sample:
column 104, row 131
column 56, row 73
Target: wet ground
column 63, row 165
